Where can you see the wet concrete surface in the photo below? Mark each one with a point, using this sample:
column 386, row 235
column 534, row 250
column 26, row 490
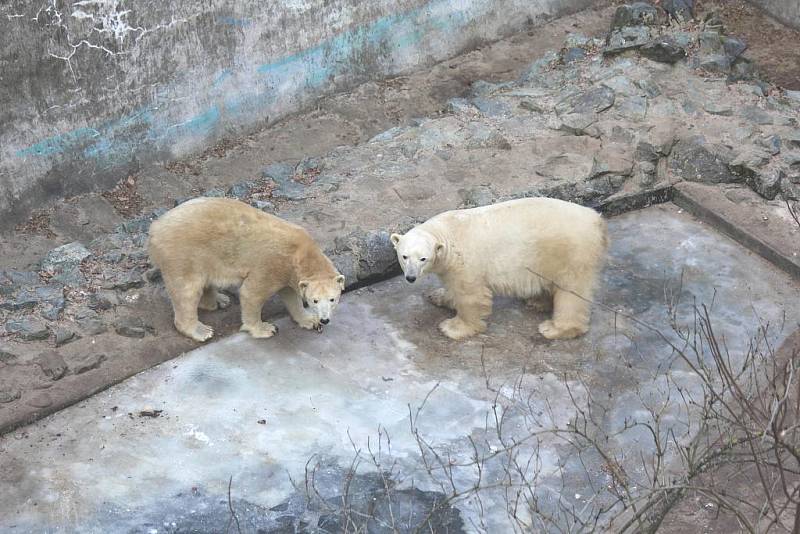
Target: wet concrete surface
column 317, row 431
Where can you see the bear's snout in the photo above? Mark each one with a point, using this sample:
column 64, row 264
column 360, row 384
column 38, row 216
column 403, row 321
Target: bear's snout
column 324, row 321
column 411, row 279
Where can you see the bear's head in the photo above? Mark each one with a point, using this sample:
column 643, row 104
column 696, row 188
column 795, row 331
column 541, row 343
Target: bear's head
column 320, row 296
column 416, row 251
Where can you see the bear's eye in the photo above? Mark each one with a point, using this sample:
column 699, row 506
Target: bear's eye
column 332, row 300
column 423, row 259
column 316, row 301
column 405, row 257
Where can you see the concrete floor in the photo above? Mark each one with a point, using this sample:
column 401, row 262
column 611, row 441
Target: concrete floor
column 266, row 412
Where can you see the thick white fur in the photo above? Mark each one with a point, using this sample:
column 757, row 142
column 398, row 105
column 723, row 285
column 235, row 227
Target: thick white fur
column 210, row 243
column 527, row 248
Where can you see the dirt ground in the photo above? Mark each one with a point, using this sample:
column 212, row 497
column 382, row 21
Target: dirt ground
column 773, row 46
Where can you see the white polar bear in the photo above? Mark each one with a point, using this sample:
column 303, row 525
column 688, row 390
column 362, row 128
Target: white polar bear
column 522, row 248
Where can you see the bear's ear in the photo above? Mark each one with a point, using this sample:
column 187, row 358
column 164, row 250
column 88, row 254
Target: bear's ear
column 438, row 248
column 302, row 285
column 340, row 280
column 395, row 239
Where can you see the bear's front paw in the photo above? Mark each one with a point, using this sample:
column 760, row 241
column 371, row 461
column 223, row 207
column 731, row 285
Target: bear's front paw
column 457, row 329
column 308, row 322
column 201, row 332
column 260, row 330
column 552, row 331
column 438, row 297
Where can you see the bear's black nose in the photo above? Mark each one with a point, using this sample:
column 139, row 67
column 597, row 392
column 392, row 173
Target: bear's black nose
column 324, row 321
column 411, row 279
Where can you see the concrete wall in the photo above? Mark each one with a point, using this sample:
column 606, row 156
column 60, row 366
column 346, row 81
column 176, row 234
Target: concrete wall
column 786, row 11
column 93, row 89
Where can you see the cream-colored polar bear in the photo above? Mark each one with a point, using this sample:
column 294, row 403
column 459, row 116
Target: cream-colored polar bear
column 210, row 243
column 522, row 248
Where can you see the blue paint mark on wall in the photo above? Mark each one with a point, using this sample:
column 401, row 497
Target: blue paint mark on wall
column 233, row 21
column 309, row 70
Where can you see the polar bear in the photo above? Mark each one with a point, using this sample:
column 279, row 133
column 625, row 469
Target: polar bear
column 210, row 243
column 527, row 248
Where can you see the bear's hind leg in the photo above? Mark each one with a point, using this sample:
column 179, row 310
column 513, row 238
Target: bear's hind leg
column 185, row 294
column 471, row 311
column 294, row 305
column 213, row 299
column 252, row 299
column 570, row 315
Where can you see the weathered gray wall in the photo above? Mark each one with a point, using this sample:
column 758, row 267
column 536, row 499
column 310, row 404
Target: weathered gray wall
column 786, row 11
column 93, row 89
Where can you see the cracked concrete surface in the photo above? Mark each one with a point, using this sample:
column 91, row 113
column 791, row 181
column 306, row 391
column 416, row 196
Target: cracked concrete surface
column 259, row 410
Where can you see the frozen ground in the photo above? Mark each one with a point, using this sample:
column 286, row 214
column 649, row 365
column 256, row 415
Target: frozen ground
column 263, row 413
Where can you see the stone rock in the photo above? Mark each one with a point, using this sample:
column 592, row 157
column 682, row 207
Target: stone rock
column 718, row 108
column 63, row 263
column 51, row 299
column 481, row 195
column 40, row 400
column 766, row 183
column 263, row 205
column 283, row 176
column 710, row 42
column 484, row 88
column 133, row 327
column 241, row 190
column 9, row 393
column 636, row 14
column 663, row 50
column 22, row 299
column 622, row 85
column 573, row 54
column 52, row 365
column 460, row 105
column 28, row 329
column 141, row 225
column 65, row 257
column 717, row 63
column 632, row 107
column 579, row 124
column 650, row 88
column 646, row 152
column 482, row 136
column 92, row 326
column 63, row 335
column 540, row 67
column 595, row 100
column 714, row 23
column 757, row 115
column 793, row 139
column 772, row 143
column 88, row 363
column 100, row 301
column 680, row 10
column 733, row 46
column 577, row 40
column 7, row 357
column 491, row 107
column 214, row 193
column 532, row 105
column 793, row 95
column 626, row 39
column 123, row 280
column 22, row 278
column 370, row 254
column 697, row 161
column 742, row 69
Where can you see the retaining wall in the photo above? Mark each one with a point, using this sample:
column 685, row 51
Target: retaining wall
column 91, row 90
